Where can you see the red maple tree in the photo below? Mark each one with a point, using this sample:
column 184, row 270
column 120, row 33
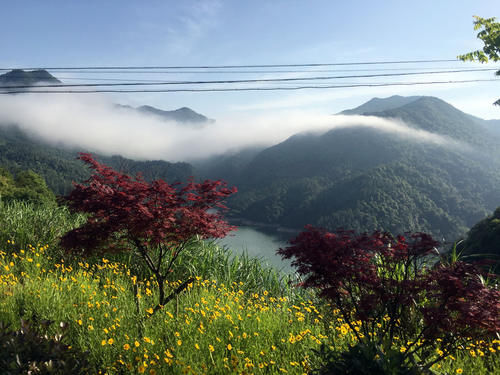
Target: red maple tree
column 398, row 287
column 157, row 219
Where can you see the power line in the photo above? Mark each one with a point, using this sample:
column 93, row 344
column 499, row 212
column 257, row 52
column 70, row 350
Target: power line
column 261, row 80
column 238, row 66
column 239, row 72
column 245, row 88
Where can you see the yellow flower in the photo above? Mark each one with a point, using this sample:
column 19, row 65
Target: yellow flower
column 211, row 348
column 141, row 369
column 150, row 310
column 229, row 347
column 110, row 341
column 459, row 370
column 103, row 342
column 137, row 343
column 197, row 346
column 126, row 347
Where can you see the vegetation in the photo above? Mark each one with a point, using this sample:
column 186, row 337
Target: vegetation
column 483, row 240
column 59, row 166
column 26, row 186
column 156, row 220
column 490, row 36
column 365, row 179
column 236, row 316
column 386, row 287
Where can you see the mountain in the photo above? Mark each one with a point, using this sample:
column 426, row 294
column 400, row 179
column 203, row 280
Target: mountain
column 59, row 166
column 18, row 77
column 182, row 115
column 363, row 178
column 380, row 104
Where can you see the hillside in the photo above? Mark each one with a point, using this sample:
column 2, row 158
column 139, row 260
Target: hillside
column 363, row 178
column 59, row 166
column 182, row 115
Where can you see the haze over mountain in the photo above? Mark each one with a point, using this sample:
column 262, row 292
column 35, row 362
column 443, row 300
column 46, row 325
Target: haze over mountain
column 399, row 163
column 183, row 115
column 366, row 178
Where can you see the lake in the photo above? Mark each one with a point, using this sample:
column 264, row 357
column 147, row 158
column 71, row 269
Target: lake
column 259, row 242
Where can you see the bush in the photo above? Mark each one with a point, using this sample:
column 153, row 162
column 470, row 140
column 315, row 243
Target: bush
column 395, row 292
column 29, row 351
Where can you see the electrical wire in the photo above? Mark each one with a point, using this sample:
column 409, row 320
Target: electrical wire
column 244, row 88
column 261, row 80
column 239, row 66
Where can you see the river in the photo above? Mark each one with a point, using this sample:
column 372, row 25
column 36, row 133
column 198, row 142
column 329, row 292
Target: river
column 259, row 242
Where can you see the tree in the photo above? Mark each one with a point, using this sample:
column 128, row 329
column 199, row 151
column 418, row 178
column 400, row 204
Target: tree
column 490, row 35
column 387, row 289
column 483, row 241
column 157, row 220
column 26, row 186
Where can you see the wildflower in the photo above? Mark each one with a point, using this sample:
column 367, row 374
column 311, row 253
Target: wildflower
column 137, row 343
column 229, row 347
column 211, row 348
column 459, row 371
column 103, row 342
column 126, row 347
column 110, row 341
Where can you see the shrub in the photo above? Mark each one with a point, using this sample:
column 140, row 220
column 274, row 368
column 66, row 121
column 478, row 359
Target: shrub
column 30, row 351
column 157, row 220
column 393, row 289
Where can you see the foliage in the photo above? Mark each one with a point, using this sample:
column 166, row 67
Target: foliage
column 366, row 179
column 104, row 304
column 26, row 186
column 386, row 287
column 363, row 359
column 490, row 36
column 59, row 168
column 483, row 240
column 28, row 350
column 23, row 223
column 157, row 220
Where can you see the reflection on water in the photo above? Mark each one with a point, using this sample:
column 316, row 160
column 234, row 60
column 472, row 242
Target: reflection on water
column 260, row 243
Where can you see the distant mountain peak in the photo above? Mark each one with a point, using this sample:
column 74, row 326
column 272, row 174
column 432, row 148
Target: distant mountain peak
column 182, row 115
column 375, row 105
column 19, row 77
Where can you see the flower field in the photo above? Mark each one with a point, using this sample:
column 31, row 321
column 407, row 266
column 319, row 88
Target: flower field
column 215, row 326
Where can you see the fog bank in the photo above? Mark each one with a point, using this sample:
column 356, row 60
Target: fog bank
column 95, row 123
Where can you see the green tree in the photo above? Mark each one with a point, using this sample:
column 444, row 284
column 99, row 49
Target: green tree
column 26, row 186
column 483, row 240
column 490, row 35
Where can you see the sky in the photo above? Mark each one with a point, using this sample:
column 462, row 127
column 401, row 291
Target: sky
column 62, row 33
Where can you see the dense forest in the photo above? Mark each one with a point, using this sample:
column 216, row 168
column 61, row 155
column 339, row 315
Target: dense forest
column 363, row 178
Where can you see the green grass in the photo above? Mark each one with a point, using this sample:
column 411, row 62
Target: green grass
column 237, row 317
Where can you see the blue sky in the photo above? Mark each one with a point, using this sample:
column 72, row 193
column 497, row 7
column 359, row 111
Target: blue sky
column 88, row 33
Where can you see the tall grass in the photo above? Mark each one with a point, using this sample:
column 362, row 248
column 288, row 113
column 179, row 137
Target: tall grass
column 25, row 223
column 239, row 316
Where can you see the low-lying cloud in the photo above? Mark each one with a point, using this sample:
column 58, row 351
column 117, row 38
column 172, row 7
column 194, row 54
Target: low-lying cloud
column 95, row 123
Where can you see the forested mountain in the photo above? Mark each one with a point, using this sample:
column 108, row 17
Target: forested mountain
column 363, row 178
column 59, row 166
column 18, row 77
column 182, row 115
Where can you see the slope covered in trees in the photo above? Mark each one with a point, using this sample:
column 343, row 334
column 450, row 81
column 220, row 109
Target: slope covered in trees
column 363, row 178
